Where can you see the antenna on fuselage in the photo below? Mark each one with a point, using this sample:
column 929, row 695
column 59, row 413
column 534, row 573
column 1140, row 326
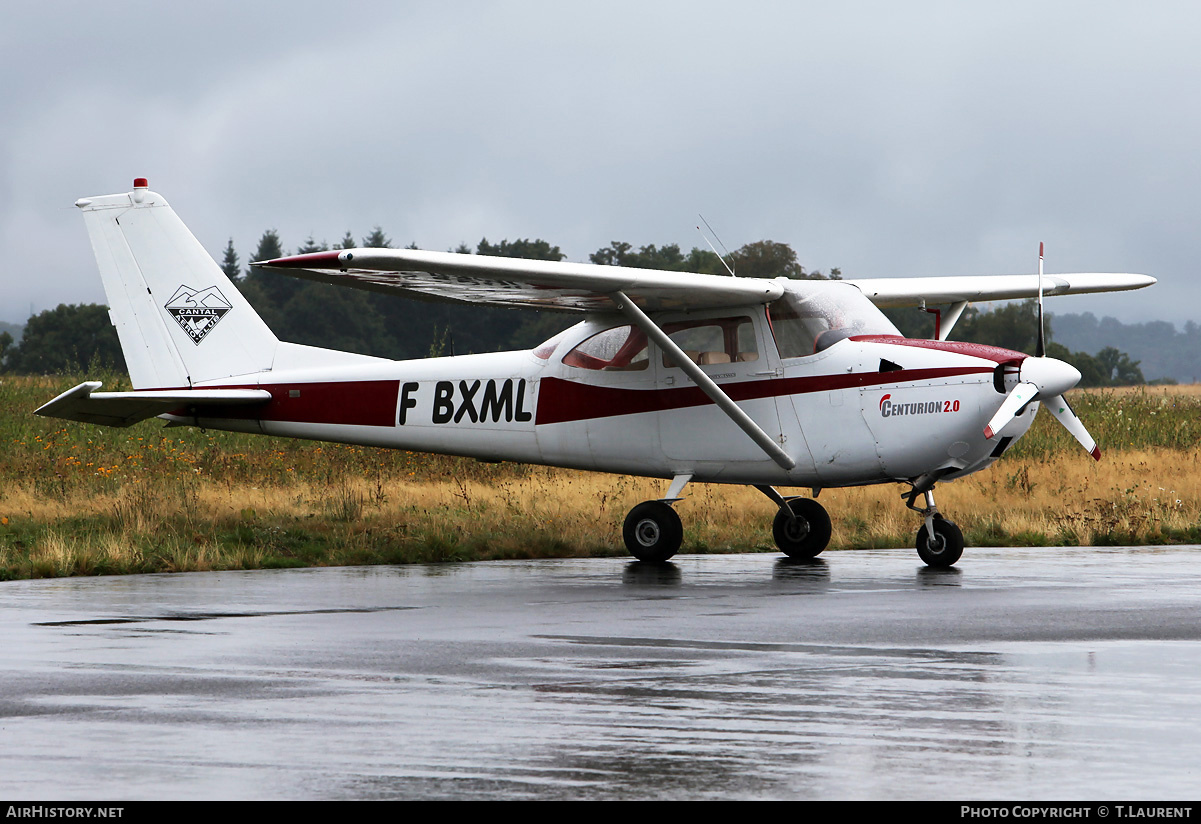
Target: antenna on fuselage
column 729, row 268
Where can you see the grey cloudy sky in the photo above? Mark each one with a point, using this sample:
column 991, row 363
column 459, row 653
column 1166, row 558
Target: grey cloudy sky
column 885, row 138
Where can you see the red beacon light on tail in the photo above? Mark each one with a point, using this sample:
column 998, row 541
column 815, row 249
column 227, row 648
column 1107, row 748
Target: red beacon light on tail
column 140, row 186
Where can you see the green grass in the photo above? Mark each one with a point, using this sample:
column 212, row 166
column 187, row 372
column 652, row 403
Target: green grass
column 1121, row 420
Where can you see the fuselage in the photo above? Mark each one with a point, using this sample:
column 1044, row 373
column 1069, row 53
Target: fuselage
column 847, row 398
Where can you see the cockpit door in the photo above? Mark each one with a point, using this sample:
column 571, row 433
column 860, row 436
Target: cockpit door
column 728, row 347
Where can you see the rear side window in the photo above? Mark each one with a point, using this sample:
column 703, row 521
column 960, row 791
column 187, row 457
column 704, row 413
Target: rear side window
column 622, row 348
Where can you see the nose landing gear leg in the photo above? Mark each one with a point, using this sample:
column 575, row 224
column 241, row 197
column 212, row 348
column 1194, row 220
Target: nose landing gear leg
column 939, row 541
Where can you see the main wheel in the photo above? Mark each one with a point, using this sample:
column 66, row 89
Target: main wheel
column 653, row 532
column 946, row 547
column 806, row 533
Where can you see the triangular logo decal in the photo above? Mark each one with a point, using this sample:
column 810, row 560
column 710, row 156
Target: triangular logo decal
column 197, row 312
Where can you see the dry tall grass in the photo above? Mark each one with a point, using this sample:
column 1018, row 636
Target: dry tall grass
column 87, row 500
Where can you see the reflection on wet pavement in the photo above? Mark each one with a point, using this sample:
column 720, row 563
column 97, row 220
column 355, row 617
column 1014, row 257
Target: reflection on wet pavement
column 1025, row 674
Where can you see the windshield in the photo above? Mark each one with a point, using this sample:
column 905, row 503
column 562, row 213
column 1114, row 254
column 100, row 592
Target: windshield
column 813, row 315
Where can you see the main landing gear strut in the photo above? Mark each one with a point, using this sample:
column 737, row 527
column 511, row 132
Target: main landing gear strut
column 653, row 532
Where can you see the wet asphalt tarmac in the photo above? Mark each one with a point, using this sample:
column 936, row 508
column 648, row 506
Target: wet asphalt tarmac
column 1022, row 674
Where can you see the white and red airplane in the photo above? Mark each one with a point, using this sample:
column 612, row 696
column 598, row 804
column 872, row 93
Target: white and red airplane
column 686, row 377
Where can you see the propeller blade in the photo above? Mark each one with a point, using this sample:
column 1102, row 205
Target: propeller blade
column 1058, row 406
column 1021, row 395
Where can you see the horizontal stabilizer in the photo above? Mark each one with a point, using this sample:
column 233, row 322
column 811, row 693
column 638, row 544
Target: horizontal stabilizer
column 84, row 403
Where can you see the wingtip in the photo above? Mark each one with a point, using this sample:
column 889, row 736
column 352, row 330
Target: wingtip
column 1096, row 453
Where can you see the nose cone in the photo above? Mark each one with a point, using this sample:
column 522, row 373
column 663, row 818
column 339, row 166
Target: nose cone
column 1052, row 377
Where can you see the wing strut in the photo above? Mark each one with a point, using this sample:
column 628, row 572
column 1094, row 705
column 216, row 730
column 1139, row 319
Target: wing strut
column 947, row 323
column 677, row 356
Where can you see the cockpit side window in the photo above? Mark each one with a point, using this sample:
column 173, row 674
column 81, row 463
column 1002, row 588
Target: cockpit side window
column 622, row 348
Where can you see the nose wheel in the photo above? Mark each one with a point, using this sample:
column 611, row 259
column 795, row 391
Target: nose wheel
column 942, row 547
column 939, row 541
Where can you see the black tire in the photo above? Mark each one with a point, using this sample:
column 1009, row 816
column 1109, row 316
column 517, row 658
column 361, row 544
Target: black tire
column 653, row 532
column 806, row 534
column 948, row 544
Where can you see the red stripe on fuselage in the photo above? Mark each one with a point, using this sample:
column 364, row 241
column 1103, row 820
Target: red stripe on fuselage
column 348, row 403
column 561, row 401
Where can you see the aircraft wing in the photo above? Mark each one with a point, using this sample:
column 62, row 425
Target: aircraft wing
column 121, row 409
column 538, row 284
column 585, row 287
column 971, row 288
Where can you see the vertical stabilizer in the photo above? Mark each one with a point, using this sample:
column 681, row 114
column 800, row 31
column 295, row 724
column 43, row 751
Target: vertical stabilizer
column 180, row 320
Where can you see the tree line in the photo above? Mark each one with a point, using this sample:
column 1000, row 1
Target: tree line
column 399, row 327
column 77, row 337
column 1164, row 351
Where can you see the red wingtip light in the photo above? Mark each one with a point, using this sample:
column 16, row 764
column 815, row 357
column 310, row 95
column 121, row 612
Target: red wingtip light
column 141, row 183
